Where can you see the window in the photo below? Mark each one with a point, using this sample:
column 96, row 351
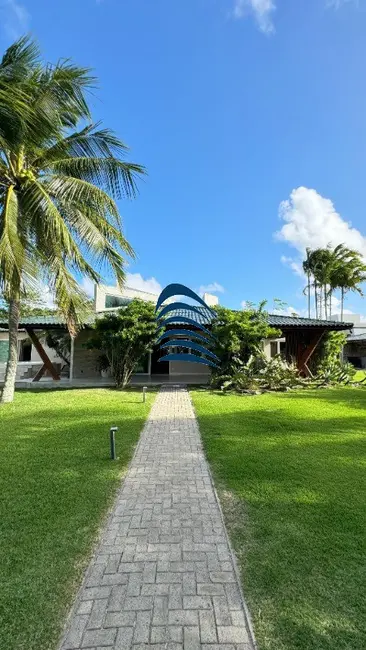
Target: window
column 273, row 349
column 25, row 352
column 4, row 349
column 115, row 301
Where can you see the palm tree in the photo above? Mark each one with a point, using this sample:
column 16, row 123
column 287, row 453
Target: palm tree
column 58, row 186
column 349, row 271
column 317, row 266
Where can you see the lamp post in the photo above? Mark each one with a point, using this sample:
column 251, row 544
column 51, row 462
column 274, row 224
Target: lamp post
column 112, row 440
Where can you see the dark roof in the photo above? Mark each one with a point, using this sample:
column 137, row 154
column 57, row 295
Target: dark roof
column 204, row 318
column 43, row 322
column 296, row 321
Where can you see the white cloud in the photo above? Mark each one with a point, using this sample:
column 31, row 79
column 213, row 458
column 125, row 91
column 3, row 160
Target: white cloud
column 15, row 18
column 295, row 265
column 311, row 220
column 213, row 287
column 136, row 281
column 288, row 311
column 261, row 9
column 336, row 4
column 87, row 285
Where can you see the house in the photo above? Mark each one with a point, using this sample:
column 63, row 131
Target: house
column 300, row 337
column 355, row 349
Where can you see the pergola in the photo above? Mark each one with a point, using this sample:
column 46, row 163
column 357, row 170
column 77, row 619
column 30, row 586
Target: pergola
column 33, row 324
column 303, row 336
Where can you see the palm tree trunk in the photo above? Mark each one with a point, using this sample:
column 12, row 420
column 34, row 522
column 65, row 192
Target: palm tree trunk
column 342, row 301
column 316, row 300
column 309, row 293
column 11, row 367
column 325, row 302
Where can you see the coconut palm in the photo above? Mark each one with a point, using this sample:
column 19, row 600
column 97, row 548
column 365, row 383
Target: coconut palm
column 58, row 186
column 317, row 266
column 348, row 272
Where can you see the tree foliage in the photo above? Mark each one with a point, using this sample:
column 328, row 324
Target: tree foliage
column 60, row 342
column 330, row 269
column 330, row 366
column 60, row 175
column 124, row 337
column 239, row 335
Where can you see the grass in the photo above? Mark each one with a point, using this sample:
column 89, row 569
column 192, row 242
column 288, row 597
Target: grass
column 56, row 483
column 291, row 473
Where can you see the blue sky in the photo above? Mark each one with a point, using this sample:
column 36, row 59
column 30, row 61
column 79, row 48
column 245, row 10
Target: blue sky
column 250, row 116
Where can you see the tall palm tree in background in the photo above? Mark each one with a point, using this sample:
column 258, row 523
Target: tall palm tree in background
column 348, row 272
column 330, row 269
column 316, row 266
column 58, row 186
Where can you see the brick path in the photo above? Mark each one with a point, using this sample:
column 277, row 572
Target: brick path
column 163, row 576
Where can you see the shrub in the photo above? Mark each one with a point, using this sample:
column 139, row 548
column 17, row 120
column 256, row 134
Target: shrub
column 124, row 337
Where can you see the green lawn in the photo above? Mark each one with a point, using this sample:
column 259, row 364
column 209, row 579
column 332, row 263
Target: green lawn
column 291, row 473
column 56, row 482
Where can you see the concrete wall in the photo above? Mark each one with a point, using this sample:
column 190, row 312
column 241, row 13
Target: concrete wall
column 184, row 368
column 101, row 291
column 85, row 361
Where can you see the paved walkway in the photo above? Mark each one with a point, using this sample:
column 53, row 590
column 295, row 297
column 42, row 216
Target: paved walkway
column 163, row 576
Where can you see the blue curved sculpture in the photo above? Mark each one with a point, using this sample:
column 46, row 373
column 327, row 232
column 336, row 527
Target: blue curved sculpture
column 183, row 332
column 190, row 358
column 191, row 345
column 165, row 317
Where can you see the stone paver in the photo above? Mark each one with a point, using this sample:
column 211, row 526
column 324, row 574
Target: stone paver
column 163, row 576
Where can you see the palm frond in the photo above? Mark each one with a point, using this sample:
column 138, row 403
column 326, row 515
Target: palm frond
column 116, row 177
column 77, row 191
column 87, row 142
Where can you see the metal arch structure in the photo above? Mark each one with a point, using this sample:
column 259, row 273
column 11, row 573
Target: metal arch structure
column 165, row 317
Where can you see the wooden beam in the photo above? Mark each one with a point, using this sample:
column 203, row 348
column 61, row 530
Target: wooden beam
column 302, row 362
column 47, row 363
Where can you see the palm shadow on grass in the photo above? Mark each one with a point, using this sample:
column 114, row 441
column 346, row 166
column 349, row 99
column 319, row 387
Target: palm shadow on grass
column 291, row 471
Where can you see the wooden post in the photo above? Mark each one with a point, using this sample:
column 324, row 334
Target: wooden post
column 47, row 363
column 305, row 356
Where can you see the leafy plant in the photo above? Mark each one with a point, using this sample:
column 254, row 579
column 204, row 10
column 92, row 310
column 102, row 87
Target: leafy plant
column 330, row 367
column 60, row 342
column 260, row 373
column 124, row 338
column 239, row 336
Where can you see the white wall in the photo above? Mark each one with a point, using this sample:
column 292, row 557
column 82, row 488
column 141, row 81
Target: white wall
column 4, row 336
column 101, row 291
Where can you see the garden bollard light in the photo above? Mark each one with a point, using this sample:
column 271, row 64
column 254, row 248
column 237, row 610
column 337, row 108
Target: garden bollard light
column 112, row 439
column 144, row 389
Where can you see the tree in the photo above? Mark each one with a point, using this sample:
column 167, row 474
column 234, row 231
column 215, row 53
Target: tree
column 60, row 342
column 125, row 337
column 330, row 269
column 239, row 335
column 348, row 275
column 58, row 186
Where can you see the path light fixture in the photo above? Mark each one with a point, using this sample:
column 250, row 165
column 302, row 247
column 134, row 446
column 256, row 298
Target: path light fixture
column 144, row 389
column 112, row 440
